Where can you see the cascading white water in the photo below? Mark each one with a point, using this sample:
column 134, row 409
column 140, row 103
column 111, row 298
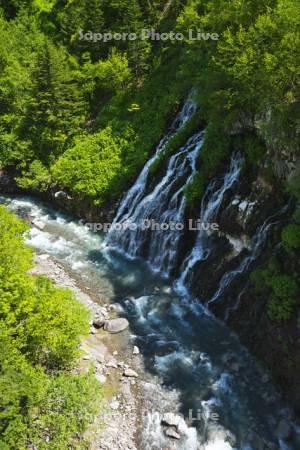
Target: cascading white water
column 137, row 191
column 165, row 204
column 184, row 350
column 210, row 206
column 258, row 242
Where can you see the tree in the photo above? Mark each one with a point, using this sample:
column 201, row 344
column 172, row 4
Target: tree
column 55, row 110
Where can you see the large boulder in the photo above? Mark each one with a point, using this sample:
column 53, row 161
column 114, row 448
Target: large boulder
column 116, row 325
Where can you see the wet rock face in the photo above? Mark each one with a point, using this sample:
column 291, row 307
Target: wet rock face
column 206, row 274
column 7, row 183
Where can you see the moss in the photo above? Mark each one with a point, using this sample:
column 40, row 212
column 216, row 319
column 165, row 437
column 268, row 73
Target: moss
column 283, row 298
column 195, row 189
column 215, row 151
column 291, row 237
column 176, row 142
column 281, row 290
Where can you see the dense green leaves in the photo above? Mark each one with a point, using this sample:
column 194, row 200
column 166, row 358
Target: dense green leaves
column 42, row 404
column 56, row 85
column 92, row 166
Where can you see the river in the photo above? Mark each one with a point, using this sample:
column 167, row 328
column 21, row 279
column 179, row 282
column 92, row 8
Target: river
column 193, row 364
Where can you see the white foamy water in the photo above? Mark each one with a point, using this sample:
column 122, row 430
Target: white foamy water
column 183, row 347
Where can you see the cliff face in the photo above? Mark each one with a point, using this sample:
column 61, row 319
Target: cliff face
column 251, row 219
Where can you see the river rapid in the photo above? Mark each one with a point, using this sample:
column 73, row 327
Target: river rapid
column 194, row 365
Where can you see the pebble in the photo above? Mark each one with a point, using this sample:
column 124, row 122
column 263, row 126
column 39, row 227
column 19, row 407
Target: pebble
column 136, row 350
column 130, row 373
column 170, row 432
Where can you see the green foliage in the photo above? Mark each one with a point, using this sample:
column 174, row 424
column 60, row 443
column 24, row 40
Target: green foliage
column 92, row 167
column 283, row 297
column 42, row 404
column 55, row 83
column 49, row 411
column 257, row 277
column 111, row 74
column 254, row 149
column 281, row 290
column 55, row 109
column 291, row 233
column 37, row 176
column 291, row 237
column 214, row 152
column 177, row 141
column 195, row 189
column 294, row 185
column 249, row 77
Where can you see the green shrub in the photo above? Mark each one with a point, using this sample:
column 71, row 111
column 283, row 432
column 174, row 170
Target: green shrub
column 177, row 141
column 283, row 298
column 36, row 176
column 291, row 237
column 214, row 152
column 93, row 166
column 294, row 185
column 258, row 278
column 43, row 404
column 195, row 189
column 49, row 411
column 281, row 291
column 254, row 149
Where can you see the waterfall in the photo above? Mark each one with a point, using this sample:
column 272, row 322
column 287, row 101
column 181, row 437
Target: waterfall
column 164, row 205
column 131, row 199
column 211, row 203
column 258, row 243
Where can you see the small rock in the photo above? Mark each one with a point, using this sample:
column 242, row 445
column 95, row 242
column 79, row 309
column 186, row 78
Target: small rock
column 171, row 420
column 283, row 430
column 44, row 256
column 116, row 325
column 243, row 205
column 114, row 404
column 136, row 350
column 130, row 373
column 38, row 224
column 113, row 364
column 170, row 432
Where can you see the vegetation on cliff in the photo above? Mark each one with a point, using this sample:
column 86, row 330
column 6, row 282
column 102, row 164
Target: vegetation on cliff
column 61, row 92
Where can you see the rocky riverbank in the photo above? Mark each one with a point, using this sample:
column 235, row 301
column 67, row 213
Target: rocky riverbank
column 117, row 366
